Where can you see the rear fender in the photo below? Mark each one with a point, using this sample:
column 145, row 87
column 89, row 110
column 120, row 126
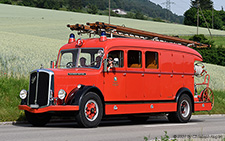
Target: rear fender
column 182, row 91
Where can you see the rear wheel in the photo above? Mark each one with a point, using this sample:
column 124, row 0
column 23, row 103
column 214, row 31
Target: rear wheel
column 184, row 110
column 40, row 119
column 91, row 110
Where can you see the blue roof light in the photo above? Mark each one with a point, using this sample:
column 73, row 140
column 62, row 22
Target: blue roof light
column 72, row 35
column 103, row 36
column 72, row 38
column 103, row 33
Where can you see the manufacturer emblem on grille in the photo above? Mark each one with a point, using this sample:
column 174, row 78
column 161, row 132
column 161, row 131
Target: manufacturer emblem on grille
column 33, row 79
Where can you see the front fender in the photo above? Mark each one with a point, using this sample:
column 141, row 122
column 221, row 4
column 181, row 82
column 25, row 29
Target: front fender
column 75, row 96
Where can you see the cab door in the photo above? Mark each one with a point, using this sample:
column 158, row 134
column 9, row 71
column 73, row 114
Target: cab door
column 114, row 79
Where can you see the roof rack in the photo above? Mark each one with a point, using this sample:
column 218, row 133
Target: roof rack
column 122, row 31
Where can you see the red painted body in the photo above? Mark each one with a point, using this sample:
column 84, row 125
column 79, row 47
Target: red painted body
column 131, row 90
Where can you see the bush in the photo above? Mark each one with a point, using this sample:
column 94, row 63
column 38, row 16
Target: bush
column 212, row 55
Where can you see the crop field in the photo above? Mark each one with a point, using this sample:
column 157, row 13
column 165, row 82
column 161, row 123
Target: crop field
column 217, row 77
column 30, row 37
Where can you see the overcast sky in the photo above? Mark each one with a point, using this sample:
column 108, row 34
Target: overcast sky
column 181, row 6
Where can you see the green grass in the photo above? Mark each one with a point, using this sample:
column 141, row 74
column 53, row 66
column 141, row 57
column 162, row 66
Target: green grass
column 219, row 40
column 219, row 104
column 9, row 97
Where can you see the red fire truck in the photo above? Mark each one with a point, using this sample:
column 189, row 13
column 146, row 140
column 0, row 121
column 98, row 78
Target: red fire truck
column 96, row 77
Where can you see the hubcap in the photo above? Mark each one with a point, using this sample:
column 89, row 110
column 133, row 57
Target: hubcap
column 185, row 108
column 91, row 110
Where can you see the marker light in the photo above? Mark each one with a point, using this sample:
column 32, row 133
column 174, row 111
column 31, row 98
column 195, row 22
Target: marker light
column 103, row 36
column 72, row 38
column 61, row 94
column 80, row 86
column 23, row 94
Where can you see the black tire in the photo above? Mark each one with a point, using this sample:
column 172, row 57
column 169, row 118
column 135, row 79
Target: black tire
column 184, row 110
column 138, row 119
column 91, row 111
column 38, row 120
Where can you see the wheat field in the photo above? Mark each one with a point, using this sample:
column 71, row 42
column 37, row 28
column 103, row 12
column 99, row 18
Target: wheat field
column 30, row 37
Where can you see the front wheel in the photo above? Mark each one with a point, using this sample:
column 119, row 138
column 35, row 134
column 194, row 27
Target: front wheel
column 39, row 119
column 91, row 110
column 184, row 110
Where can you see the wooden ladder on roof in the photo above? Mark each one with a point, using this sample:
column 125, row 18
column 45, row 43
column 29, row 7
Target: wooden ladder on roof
column 122, row 31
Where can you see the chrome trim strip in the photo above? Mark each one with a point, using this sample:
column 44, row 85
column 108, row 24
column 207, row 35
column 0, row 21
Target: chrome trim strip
column 76, row 73
column 36, row 92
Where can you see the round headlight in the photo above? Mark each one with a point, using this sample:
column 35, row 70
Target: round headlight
column 23, row 94
column 61, row 94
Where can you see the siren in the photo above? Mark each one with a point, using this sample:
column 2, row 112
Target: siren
column 72, row 38
column 103, row 36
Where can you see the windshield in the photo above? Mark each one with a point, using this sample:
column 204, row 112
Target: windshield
column 85, row 58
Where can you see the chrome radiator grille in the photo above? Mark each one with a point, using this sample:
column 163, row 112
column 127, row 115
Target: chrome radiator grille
column 39, row 89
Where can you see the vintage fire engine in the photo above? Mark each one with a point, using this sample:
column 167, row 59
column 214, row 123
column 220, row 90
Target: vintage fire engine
column 132, row 76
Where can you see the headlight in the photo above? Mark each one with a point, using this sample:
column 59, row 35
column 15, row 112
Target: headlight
column 61, row 94
column 23, row 94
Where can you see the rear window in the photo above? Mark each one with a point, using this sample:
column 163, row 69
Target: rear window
column 151, row 60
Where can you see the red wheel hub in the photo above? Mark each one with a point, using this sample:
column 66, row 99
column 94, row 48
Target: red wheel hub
column 90, row 110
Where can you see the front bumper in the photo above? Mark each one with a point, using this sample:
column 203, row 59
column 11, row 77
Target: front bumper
column 50, row 108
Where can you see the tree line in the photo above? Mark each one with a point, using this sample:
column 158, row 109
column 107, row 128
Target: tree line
column 207, row 15
column 138, row 9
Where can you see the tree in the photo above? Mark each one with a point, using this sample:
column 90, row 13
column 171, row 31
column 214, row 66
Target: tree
column 75, row 5
column 204, row 4
column 190, row 18
column 139, row 15
column 92, row 9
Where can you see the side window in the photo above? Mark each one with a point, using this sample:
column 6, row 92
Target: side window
column 134, row 59
column 117, row 56
column 151, row 60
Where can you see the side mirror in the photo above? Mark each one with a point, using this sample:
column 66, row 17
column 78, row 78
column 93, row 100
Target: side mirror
column 52, row 64
column 115, row 62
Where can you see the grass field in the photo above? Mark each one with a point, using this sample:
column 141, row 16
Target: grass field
column 32, row 36
column 217, row 77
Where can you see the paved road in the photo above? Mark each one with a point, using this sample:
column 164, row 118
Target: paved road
column 122, row 130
